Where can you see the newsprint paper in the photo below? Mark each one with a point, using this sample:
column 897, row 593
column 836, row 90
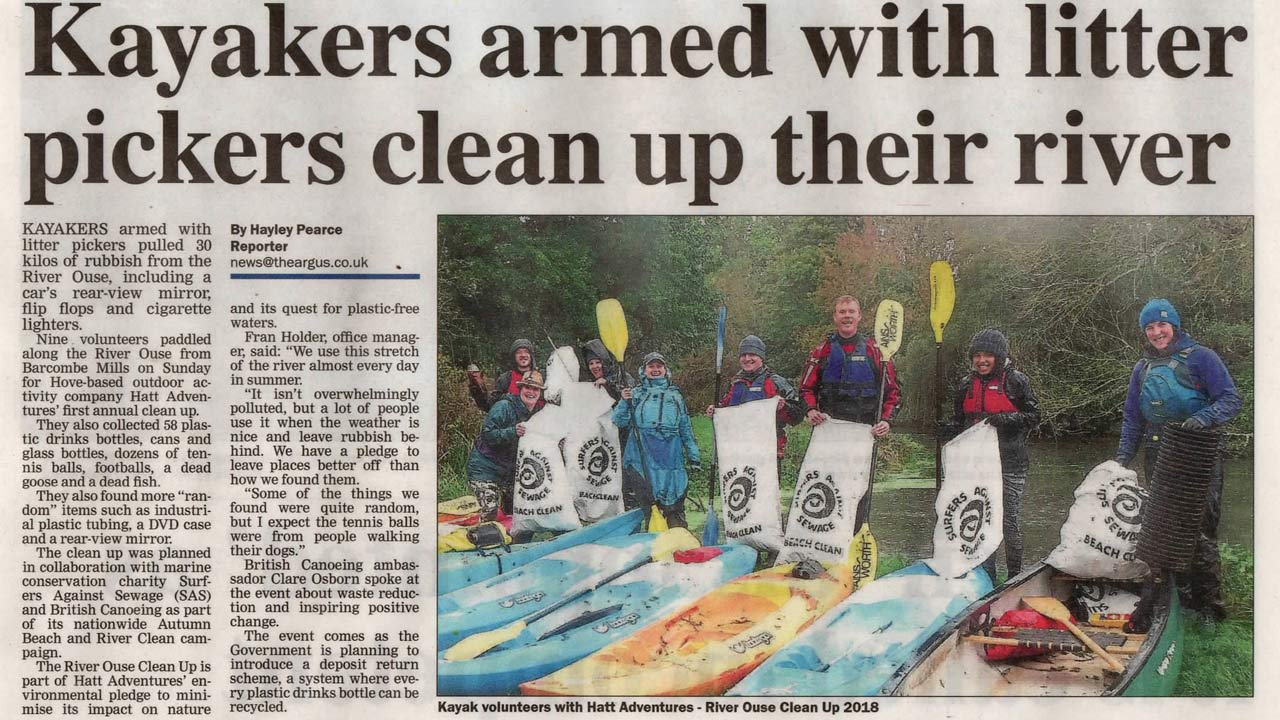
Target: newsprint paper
column 254, row 248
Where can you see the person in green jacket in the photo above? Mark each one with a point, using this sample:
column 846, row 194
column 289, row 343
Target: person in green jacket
column 491, row 467
column 657, row 411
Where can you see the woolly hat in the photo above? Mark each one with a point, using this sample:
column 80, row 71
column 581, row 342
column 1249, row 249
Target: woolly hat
column 521, row 343
column 651, row 357
column 752, row 345
column 1158, row 310
column 991, row 341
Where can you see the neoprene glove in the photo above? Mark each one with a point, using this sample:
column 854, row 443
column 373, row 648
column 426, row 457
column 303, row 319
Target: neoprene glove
column 1194, row 423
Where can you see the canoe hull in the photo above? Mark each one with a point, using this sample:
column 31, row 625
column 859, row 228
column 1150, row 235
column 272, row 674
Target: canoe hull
column 946, row 665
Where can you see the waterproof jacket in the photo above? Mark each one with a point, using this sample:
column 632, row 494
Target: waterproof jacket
column 657, row 410
column 493, row 457
column 1211, row 380
column 616, row 380
column 853, row 396
column 1005, row 396
column 765, row 383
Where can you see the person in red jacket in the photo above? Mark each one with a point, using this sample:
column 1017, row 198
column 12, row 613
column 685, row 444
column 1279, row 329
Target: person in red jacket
column 842, row 380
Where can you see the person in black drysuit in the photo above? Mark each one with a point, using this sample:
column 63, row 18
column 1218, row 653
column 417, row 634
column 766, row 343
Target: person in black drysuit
column 523, row 362
column 996, row 393
column 1180, row 382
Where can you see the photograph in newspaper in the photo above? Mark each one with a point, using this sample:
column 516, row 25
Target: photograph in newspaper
column 1054, row 416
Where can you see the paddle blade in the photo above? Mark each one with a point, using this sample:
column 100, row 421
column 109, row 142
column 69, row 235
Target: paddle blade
column 1049, row 607
column 673, row 541
column 864, row 557
column 724, row 313
column 711, row 533
column 476, row 645
column 657, row 521
column 942, row 297
column 613, row 327
column 889, row 316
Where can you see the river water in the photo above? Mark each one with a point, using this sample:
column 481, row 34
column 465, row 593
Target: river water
column 903, row 517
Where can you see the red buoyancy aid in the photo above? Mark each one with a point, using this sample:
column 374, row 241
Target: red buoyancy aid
column 987, row 397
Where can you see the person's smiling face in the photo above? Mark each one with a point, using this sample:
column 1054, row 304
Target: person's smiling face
column 984, row 362
column 1161, row 334
column 846, row 317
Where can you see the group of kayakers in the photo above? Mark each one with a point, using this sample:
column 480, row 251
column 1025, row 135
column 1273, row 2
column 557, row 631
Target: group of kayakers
column 846, row 377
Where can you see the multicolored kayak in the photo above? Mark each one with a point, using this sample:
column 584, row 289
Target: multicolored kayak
column 709, row 646
column 601, row 617
column 459, row 569
column 548, row 581
column 855, row 649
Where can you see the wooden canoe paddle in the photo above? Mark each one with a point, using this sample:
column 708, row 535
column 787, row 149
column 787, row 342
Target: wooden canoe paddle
column 1053, row 609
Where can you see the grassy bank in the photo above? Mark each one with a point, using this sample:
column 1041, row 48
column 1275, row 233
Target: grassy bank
column 1219, row 657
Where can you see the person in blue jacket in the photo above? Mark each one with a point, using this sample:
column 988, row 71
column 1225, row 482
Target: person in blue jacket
column 656, row 410
column 491, row 466
column 1180, row 382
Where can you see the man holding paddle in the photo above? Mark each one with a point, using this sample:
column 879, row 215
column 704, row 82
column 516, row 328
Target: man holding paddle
column 848, row 378
column 842, row 377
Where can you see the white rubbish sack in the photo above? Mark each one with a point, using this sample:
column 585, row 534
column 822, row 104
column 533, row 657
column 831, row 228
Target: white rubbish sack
column 970, row 506
column 833, row 479
column 592, row 454
column 543, row 494
column 562, row 371
column 747, row 450
column 1100, row 537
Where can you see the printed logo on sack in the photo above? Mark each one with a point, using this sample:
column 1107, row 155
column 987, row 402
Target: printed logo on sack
column 1127, row 504
column 764, row 638
column 965, row 518
column 597, row 458
column 1091, row 592
column 818, row 501
column 532, row 476
column 739, row 490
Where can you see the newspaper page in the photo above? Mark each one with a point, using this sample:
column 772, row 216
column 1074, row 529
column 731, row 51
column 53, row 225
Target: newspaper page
column 260, row 253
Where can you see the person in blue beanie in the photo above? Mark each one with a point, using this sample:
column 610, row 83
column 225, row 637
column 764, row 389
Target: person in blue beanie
column 657, row 412
column 1178, row 381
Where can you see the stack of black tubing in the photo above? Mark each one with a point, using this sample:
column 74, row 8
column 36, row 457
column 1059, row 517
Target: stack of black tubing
column 1172, row 515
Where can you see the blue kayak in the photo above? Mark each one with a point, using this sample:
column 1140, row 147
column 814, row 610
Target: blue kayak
column 588, row 624
column 855, row 649
column 459, row 569
column 542, row 583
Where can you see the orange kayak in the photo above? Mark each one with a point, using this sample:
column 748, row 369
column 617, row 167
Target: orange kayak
column 710, row 645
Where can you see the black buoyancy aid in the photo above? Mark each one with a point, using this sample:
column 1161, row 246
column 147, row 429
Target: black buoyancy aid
column 988, row 397
column 850, row 380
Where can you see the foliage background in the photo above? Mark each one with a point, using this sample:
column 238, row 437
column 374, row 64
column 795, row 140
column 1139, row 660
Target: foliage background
column 1066, row 290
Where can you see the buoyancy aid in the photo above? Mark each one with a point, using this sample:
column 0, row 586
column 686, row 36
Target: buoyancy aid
column 987, row 397
column 758, row 388
column 850, row 380
column 1169, row 390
